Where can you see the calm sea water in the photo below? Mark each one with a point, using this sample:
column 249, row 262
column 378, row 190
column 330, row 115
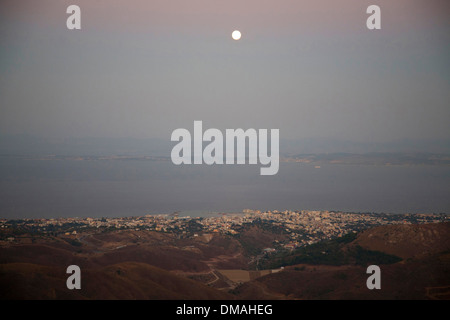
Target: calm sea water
column 69, row 188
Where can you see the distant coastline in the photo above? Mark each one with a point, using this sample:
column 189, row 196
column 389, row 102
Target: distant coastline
column 317, row 159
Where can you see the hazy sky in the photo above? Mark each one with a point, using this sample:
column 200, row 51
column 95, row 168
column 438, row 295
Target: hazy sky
column 144, row 68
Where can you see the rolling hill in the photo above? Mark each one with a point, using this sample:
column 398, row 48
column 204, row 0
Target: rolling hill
column 414, row 262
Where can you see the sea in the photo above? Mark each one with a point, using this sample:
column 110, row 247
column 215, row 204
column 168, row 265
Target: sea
column 43, row 188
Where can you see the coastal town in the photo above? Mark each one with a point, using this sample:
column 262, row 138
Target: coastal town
column 300, row 228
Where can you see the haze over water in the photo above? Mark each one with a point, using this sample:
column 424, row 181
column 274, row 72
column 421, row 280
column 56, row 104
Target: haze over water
column 113, row 188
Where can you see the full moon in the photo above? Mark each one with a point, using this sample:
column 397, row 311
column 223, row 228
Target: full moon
column 236, row 35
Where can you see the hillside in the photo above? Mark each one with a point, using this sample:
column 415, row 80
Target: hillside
column 423, row 271
column 127, row 280
column 117, row 265
column 414, row 262
column 421, row 279
column 407, row 241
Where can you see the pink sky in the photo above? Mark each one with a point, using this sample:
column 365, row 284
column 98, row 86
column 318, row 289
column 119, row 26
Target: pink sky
column 212, row 16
